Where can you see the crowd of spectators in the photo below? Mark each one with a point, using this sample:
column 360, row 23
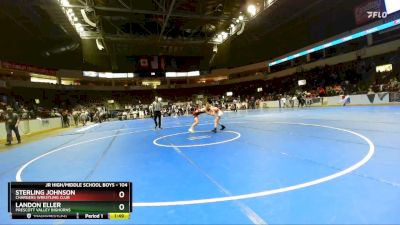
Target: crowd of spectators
column 357, row 77
column 342, row 79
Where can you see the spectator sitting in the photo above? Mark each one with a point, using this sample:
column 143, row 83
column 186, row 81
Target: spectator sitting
column 321, row 91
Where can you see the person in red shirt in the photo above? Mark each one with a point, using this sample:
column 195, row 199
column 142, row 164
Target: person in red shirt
column 196, row 114
column 321, row 91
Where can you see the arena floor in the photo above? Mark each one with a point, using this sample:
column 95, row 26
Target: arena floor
column 337, row 165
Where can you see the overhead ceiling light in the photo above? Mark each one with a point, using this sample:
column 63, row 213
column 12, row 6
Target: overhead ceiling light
column 215, row 49
column 237, row 20
column 241, row 18
column 224, row 35
column 232, row 25
column 73, row 19
column 64, row 2
column 99, row 44
column 252, row 10
column 79, row 27
column 86, row 19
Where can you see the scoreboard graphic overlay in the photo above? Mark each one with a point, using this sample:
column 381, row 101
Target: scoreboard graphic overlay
column 70, row 200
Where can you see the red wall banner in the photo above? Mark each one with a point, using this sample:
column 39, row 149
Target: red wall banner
column 27, row 68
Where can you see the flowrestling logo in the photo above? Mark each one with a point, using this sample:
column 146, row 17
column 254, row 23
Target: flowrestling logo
column 376, row 14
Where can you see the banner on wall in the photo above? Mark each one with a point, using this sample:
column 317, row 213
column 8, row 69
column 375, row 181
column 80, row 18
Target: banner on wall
column 361, row 11
column 394, row 97
column 382, row 95
column 27, row 68
column 371, row 98
column 154, row 63
column 315, row 100
column 144, row 62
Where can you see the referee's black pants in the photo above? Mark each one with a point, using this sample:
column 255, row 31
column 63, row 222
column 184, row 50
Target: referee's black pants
column 9, row 129
column 157, row 114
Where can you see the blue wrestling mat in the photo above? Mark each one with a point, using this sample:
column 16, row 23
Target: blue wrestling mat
column 292, row 166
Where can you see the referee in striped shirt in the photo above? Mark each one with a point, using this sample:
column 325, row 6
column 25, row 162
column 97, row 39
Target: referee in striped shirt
column 157, row 107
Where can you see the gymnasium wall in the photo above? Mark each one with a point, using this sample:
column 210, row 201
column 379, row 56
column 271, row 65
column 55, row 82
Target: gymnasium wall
column 27, row 127
column 364, row 99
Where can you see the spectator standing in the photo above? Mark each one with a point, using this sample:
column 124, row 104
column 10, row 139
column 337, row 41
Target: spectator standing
column 157, row 107
column 65, row 118
column 12, row 122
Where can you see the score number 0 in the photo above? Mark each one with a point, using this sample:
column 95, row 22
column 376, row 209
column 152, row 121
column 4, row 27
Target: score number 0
column 121, row 194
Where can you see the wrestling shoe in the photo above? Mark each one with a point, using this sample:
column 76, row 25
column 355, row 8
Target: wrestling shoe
column 222, row 127
column 214, row 130
column 191, row 130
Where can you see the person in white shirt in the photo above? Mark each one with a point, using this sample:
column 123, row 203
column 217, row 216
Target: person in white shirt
column 283, row 102
column 157, row 107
